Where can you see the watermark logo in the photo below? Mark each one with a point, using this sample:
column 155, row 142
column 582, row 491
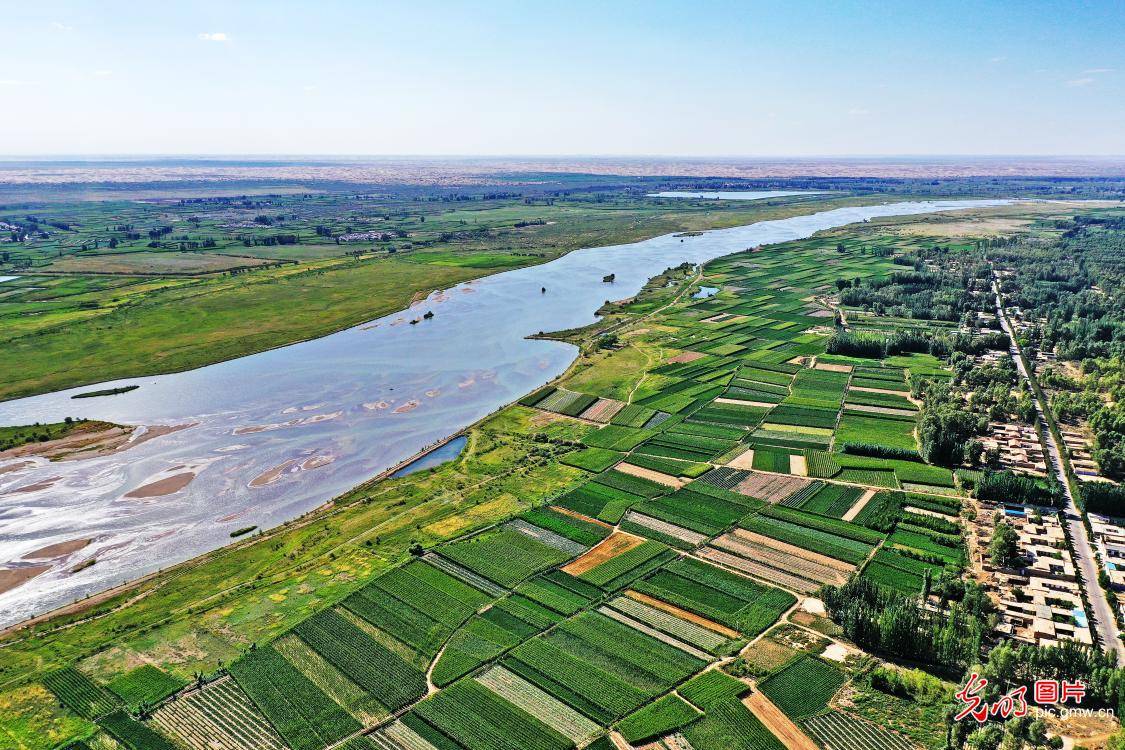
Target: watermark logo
column 1014, row 703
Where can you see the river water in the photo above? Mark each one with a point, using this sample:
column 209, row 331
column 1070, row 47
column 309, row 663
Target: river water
column 276, row 434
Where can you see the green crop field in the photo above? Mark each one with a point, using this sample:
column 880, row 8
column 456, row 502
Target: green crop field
column 434, row 608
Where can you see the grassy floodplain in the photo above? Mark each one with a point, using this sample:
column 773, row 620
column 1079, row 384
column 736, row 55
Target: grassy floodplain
column 704, row 426
column 224, row 278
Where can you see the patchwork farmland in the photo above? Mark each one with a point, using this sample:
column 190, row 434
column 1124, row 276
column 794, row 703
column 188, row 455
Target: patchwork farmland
column 667, row 594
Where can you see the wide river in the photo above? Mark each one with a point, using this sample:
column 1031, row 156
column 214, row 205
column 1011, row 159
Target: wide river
column 276, row 434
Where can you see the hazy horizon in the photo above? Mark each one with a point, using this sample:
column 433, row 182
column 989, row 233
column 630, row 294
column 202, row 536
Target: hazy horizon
column 505, row 78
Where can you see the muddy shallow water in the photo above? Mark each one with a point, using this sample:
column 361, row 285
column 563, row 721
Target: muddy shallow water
column 330, row 413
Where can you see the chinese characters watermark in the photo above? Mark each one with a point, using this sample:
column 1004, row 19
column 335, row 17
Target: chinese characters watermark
column 1014, row 703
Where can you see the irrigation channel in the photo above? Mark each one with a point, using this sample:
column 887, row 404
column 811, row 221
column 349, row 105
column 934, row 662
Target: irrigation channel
column 276, row 434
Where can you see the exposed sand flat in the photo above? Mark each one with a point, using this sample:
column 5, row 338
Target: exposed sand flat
column 376, row 405
column 161, row 487
column 315, row 462
column 58, row 549
column 655, row 476
column 42, row 484
column 740, row 402
column 10, row 578
column 780, row 725
column 686, row 357
column 410, row 405
column 743, row 461
column 269, row 476
column 683, row 614
column 282, row 425
column 613, row 545
column 102, row 440
column 859, row 505
column 580, row 516
column 8, row 468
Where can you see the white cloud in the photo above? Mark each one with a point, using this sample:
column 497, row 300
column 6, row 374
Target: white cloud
column 1079, row 82
column 998, row 59
column 102, row 73
column 59, row 26
column 214, row 36
column 858, row 112
column 1096, row 71
column 15, row 82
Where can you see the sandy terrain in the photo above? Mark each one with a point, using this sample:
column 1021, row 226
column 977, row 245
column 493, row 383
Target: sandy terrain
column 837, row 652
column 42, row 484
column 282, row 425
column 613, row 545
column 12, row 577
column 833, row 367
column 654, row 476
column 58, row 549
column 410, row 405
column 269, row 476
column 778, row 723
column 161, row 487
column 683, row 614
column 798, row 466
column 8, row 468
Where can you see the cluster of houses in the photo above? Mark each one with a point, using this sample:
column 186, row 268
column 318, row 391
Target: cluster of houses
column 1078, row 448
column 1018, row 446
column 1041, row 600
column 1108, row 536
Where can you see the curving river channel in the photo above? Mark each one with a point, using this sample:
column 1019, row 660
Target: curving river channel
column 276, row 434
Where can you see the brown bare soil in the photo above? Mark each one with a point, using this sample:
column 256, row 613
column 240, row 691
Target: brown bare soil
column 602, row 410
column 772, row 488
column 833, row 367
column 683, row 614
column 613, row 545
column 580, row 516
column 686, row 357
column 778, row 723
column 816, row 557
column 859, row 505
column 743, row 461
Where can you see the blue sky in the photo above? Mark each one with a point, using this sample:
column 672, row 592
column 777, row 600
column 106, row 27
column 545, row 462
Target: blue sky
column 668, row 78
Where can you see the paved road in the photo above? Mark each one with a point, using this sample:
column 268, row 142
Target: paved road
column 1104, row 623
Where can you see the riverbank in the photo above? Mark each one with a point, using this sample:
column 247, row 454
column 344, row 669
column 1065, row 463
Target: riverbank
column 198, row 322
